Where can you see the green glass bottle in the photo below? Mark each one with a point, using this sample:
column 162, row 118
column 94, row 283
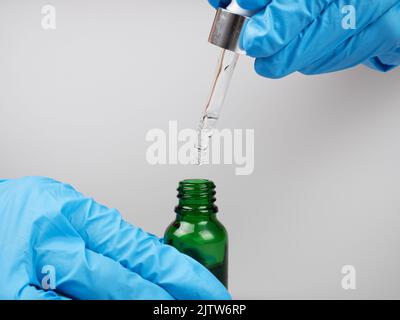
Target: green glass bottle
column 196, row 230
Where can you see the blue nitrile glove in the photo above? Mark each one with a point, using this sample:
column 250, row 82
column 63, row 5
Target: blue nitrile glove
column 309, row 35
column 52, row 237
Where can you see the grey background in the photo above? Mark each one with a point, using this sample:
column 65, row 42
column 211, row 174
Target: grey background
column 76, row 104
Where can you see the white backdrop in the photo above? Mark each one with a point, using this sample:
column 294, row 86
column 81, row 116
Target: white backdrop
column 77, row 102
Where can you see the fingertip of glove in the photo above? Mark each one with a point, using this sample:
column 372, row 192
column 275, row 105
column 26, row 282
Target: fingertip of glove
column 253, row 5
column 225, row 295
column 219, row 3
column 213, row 3
column 249, row 43
column 216, row 291
column 201, row 284
column 264, row 69
column 254, row 38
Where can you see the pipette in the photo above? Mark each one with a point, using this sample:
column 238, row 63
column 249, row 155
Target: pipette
column 225, row 33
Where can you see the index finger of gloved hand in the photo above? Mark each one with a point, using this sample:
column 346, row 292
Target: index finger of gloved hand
column 368, row 45
column 78, row 272
column 105, row 232
column 321, row 37
column 219, row 3
column 270, row 30
column 32, row 293
column 253, row 5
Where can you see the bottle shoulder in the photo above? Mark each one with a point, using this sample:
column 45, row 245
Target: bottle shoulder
column 209, row 230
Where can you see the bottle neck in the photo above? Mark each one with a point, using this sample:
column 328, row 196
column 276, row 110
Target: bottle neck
column 196, row 198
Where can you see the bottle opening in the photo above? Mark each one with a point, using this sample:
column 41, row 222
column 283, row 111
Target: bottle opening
column 196, row 181
column 196, row 195
column 196, row 188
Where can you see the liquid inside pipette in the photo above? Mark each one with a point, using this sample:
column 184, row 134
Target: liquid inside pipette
column 208, row 122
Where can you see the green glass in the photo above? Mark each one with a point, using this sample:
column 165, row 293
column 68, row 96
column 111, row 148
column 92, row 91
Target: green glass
column 196, row 230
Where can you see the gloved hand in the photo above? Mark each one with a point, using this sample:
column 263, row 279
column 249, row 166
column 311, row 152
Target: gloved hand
column 308, row 35
column 53, row 236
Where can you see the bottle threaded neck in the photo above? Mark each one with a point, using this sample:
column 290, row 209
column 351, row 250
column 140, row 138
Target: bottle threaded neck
column 196, row 196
